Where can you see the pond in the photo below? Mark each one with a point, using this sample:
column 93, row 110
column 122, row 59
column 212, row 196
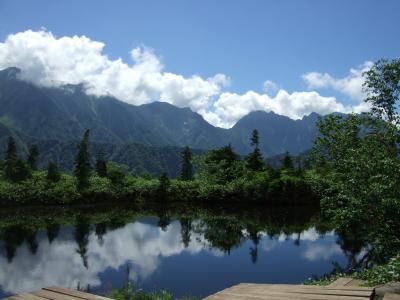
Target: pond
column 186, row 250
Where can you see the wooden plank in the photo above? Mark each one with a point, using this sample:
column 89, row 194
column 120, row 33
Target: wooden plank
column 307, row 289
column 355, row 282
column 285, row 292
column 391, row 296
column 26, row 296
column 75, row 293
column 289, row 296
column 54, row 295
column 301, row 295
column 352, row 288
column 282, row 294
column 341, row 282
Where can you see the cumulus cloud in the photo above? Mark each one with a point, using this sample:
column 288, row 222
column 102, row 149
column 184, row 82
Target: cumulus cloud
column 230, row 107
column 47, row 60
column 350, row 85
column 138, row 244
column 50, row 61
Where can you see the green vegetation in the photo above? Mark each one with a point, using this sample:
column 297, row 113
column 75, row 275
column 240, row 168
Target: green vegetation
column 187, row 167
column 128, row 293
column 376, row 275
column 221, row 176
column 356, row 172
column 82, row 162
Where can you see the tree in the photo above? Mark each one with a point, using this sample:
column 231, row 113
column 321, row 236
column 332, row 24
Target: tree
column 186, row 168
column 382, row 85
column 117, row 172
column 360, row 170
column 254, row 140
column 220, row 166
column 163, row 185
column 101, row 165
column 82, row 161
column 14, row 168
column 33, row 157
column 52, row 172
column 11, row 157
column 287, row 161
column 21, row 171
column 254, row 160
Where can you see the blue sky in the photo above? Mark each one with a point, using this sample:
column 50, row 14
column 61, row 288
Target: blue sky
column 248, row 41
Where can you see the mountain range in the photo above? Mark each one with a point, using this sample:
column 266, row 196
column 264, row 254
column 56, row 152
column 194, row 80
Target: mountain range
column 55, row 118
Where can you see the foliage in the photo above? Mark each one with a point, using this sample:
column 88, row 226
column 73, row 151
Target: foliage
column 287, row 161
column 33, row 156
column 357, row 160
column 82, row 161
column 14, row 168
column 116, row 172
column 220, row 166
column 254, row 160
column 382, row 84
column 186, row 165
column 325, row 279
column 127, row 293
column 163, row 186
column 101, row 165
column 382, row 274
column 374, row 276
column 52, row 172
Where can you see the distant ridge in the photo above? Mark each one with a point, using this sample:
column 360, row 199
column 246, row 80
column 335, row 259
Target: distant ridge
column 64, row 113
column 59, row 116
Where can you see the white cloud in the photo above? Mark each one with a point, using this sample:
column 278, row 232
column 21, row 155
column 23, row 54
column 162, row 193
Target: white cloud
column 50, row 61
column 47, row 60
column 230, row 107
column 138, row 244
column 350, row 85
column 321, row 252
column 270, row 86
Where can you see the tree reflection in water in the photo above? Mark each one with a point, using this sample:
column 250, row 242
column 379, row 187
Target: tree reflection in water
column 177, row 228
column 82, row 230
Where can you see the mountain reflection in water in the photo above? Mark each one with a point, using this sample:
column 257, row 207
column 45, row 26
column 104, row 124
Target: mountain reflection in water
column 188, row 251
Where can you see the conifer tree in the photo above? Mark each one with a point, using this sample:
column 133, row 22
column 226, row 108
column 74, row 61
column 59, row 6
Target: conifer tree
column 163, row 185
column 82, row 161
column 21, row 171
column 52, row 172
column 11, row 158
column 14, row 168
column 287, row 161
column 33, row 157
column 255, row 161
column 101, row 165
column 187, row 168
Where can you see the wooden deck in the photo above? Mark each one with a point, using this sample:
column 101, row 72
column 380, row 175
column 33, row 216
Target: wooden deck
column 292, row 292
column 342, row 289
column 56, row 293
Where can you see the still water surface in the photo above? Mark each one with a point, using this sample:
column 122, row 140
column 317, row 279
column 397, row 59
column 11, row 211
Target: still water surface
column 196, row 253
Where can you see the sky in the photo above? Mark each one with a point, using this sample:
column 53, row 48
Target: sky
column 223, row 59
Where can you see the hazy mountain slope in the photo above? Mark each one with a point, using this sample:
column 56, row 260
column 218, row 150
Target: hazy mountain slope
column 62, row 114
column 277, row 133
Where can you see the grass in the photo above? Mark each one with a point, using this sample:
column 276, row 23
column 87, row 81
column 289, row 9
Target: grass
column 128, row 292
column 377, row 275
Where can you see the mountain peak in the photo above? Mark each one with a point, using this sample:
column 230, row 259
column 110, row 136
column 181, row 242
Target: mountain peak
column 10, row 73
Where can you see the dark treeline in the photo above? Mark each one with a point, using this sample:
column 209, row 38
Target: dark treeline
column 223, row 229
column 218, row 175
